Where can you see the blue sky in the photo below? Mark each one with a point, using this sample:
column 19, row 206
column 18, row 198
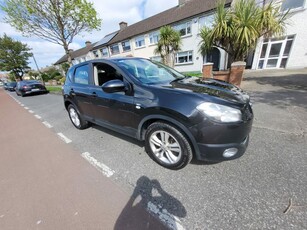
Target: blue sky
column 111, row 12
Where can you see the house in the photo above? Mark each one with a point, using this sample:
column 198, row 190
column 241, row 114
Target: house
column 140, row 39
column 188, row 17
column 79, row 55
column 289, row 51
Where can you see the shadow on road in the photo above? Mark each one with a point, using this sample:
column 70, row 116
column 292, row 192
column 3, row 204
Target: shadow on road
column 149, row 194
column 280, row 91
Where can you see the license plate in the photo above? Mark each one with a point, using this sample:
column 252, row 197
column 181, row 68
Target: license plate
column 35, row 90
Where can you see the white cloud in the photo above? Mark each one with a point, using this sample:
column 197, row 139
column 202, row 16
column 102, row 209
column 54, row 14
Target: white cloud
column 111, row 12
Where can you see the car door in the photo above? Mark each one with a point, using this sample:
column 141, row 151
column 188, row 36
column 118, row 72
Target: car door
column 115, row 110
column 79, row 90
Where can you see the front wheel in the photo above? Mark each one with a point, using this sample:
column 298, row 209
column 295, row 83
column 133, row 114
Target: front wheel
column 76, row 119
column 166, row 145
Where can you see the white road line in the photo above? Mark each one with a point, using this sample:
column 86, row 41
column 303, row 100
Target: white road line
column 170, row 220
column 100, row 166
column 31, row 111
column 47, row 124
column 64, row 138
column 26, row 107
column 37, row 116
column 22, row 105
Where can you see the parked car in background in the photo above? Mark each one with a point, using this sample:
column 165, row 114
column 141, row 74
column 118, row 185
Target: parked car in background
column 30, row 87
column 178, row 117
column 5, row 85
column 11, row 86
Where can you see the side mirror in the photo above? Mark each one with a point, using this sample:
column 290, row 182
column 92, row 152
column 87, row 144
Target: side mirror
column 113, row 86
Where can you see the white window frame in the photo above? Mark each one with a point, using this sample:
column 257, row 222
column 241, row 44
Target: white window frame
column 111, row 48
column 294, row 8
column 281, row 54
column 96, row 54
column 209, row 19
column 101, row 51
column 154, row 37
column 184, row 26
column 123, row 45
column 181, row 54
column 139, row 40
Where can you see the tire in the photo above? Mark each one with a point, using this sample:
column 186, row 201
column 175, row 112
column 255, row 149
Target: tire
column 75, row 118
column 158, row 138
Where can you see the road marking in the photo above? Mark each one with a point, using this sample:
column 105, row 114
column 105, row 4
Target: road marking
column 64, row 138
column 47, row 124
column 31, row 111
column 26, row 107
column 37, row 116
column 100, row 166
column 22, row 105
column 170, row 220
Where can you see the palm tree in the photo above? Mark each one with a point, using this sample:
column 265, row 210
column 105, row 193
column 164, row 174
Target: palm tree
column 237, row 29
column 168, row 44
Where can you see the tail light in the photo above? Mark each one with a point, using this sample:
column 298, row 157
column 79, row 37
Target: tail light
column 25, row 87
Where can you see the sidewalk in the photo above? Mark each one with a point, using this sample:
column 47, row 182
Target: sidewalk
column 46, row 184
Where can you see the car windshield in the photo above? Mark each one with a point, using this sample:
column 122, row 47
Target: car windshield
column 12, row 84
column 149, row 72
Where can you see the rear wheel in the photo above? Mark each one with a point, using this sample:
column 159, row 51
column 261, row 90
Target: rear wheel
column 167, row 146
column 75, row 118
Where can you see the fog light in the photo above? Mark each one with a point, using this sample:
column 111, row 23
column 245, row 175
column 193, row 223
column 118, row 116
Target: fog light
column 230, row 152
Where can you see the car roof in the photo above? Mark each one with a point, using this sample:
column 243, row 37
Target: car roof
column 112, row 60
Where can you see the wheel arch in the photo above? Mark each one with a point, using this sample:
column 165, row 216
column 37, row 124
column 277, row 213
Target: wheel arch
column 148, row 120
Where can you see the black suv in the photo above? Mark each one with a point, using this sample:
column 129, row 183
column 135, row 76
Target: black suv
column 178, row 117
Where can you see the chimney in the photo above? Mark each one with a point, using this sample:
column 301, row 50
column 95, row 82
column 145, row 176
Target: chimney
column 87, row 43
column 123, row 25
column 182, row 2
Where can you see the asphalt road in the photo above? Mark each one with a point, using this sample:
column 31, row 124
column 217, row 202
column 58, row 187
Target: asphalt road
column 252, row 192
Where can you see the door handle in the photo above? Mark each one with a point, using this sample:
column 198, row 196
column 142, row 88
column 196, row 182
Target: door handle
column 94, row 94
column 72, row 92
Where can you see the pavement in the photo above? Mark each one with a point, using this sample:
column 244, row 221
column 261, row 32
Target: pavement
column 46, row 184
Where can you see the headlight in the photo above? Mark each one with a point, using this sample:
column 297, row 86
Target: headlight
column 220, row 113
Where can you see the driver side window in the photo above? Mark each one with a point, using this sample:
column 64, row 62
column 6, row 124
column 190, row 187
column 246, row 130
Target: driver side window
column 104, row 72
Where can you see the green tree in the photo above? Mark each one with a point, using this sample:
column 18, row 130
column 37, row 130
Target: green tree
column 168, row 44
column 14, row 56
column 57, row 21
column 238, row 28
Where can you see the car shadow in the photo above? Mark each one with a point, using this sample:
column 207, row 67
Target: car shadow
column 149, row 195
column 118, row 135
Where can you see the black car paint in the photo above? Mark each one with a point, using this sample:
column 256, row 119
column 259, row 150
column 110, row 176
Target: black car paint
column 33, row 87
column 131, row 111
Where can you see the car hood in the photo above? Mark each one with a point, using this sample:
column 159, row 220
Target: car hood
column 215, row 88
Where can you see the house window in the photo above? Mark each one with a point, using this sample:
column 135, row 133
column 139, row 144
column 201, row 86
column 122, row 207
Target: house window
column 114, row 49
column 126, row 46
column 275, row 52
column 184, row 57
column 154, row 37
column 206, row 21
column 140, row 41
column 96, row 55
column 184, row 28
column 292, row 4
column 104, row 52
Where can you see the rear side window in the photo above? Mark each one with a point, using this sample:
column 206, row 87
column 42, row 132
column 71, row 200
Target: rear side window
column 82, row 75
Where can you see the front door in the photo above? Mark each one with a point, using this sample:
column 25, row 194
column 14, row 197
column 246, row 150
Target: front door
column 117, row 109
column 214, row 57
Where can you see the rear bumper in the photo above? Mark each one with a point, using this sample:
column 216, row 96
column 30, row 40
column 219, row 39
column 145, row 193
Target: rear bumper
column 214, row 152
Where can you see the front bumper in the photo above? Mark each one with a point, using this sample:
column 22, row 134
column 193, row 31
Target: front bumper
column 214, row 152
